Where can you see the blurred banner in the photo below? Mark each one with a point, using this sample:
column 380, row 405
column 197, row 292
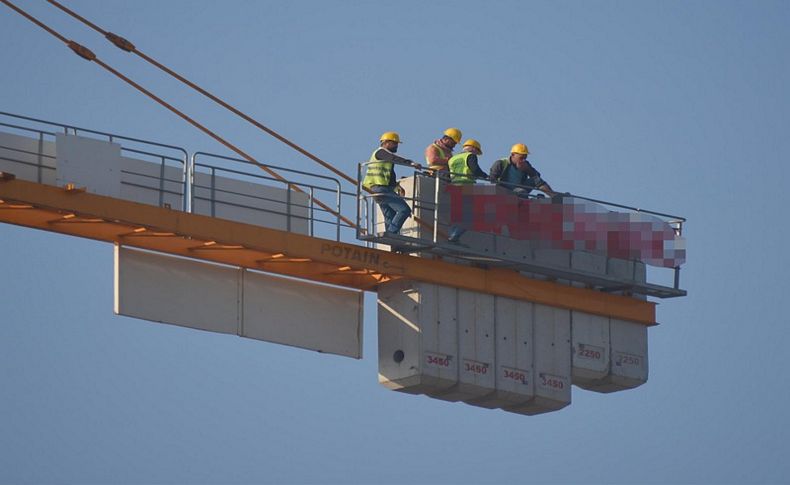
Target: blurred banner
column 565, row 222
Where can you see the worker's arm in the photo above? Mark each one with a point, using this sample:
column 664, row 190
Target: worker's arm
column 475, row 167
column 545, row 187
column 536, row 181
column 434, row 158
column 388, row 156
column 495, row 172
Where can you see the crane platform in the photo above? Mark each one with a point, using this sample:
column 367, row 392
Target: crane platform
column 72, row 211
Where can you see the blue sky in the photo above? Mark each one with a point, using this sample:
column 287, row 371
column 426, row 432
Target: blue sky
column 681, row 107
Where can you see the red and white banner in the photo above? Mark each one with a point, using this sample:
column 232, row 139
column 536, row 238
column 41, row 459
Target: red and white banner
column 567, row 223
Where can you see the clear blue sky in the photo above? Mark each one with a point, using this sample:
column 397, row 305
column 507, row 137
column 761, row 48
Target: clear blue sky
column 676, row 106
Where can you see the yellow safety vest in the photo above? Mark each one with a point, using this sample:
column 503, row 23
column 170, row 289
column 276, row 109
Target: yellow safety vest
column 460, row 173
column 378, row 172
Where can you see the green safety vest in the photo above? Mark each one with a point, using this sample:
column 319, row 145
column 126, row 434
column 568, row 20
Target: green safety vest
column 378, row 172
column 460, row 173
column 444, row 154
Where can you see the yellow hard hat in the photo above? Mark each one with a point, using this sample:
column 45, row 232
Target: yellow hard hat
column 473, row 143
column 390, row 136
column 520, row 148
column 453, row 133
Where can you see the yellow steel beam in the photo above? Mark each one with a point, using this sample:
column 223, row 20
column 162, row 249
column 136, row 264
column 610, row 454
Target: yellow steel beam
column 235, row 243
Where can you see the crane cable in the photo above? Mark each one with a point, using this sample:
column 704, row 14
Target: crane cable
column 126, row 45
column 87, row 54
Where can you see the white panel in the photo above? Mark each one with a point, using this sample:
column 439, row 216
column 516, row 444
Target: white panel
column 552, row 257
column 588, row 262
column 590, row 348
column 210, row 297
column 640, row 275
column 480, row 241
column 620, row 268
column 306, row 315
column 552, row 329
column 476, row 376
column 514, row 354
column 177, row 291
column 89, row 163
column 22, row 156
column 640, row 271
column 513, row 249
column 252, row 203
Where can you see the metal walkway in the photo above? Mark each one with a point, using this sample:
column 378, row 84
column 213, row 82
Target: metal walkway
column 77, row 213
column 470, row 255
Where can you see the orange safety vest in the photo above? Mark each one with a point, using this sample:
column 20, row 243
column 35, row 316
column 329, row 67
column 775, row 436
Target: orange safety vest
column 443, row 153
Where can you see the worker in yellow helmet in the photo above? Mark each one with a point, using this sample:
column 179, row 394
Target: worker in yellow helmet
column 464, row 167
column 517, row 174
column 438, row 153
column 381, row 181
column 465, row 170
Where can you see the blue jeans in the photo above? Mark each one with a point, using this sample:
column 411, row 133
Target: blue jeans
column 394, row 208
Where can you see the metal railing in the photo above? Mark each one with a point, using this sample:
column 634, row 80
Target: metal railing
column 220, row 183
column 225, row 186
column 367, row 220
column 294, row 202
column 134, row 147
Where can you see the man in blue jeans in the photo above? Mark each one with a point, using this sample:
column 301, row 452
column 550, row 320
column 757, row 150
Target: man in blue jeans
column 380, row 180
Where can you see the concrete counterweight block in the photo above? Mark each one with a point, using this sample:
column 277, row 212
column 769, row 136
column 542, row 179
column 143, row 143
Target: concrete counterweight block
column 552, row 361
column 513, row 369
column 628, row 366
column 418, row 337
column 591, row 350
column 475, row 347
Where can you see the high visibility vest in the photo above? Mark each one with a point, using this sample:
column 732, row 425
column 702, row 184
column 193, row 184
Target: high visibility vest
column 460, row 173
column 442, row 153
column 378, row 172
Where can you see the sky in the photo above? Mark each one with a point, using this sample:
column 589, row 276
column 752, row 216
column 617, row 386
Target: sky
column 680, row 107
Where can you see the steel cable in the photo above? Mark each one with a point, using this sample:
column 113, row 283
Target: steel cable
column 125, row 45
column 87, row 54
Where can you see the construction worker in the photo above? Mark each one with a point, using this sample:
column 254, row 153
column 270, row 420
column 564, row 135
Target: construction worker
column 517, row 174
column 380, row 180
column 464, row 170
column 464, row 167
column 439, row 152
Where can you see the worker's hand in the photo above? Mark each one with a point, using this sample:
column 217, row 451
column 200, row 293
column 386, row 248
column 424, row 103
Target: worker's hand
column 416, row 166
column 400, row 190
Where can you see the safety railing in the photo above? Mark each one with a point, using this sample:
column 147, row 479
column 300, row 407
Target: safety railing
column 43, row 157
column 211, row 184
column 432, row 210
column 221, row 185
